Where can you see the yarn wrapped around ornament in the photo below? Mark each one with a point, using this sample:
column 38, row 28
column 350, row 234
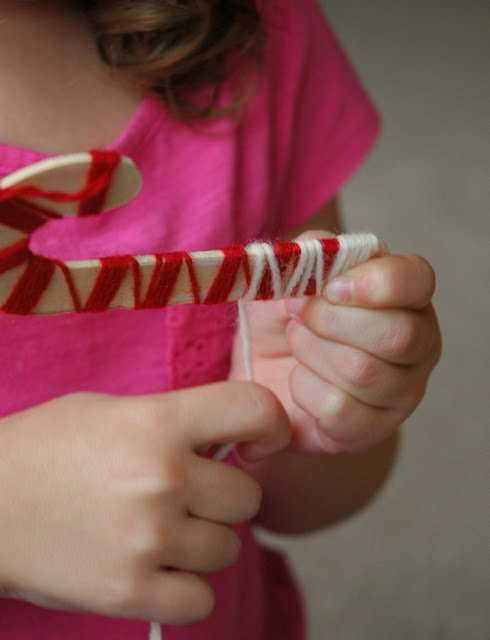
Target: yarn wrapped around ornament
column 88, row 184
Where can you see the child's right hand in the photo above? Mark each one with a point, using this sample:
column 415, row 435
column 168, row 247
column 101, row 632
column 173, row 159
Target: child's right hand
column 108, row 505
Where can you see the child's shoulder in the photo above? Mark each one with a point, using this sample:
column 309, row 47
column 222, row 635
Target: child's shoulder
column 299, row 33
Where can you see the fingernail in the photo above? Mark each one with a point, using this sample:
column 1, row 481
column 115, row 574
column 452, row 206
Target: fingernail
column 339, row 290
column 294, row 306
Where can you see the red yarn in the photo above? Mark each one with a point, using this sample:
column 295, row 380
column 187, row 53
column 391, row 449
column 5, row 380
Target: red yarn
column 93, row 196
column 23, row 215
column 192, row 278
column 112, row 273
column 30, row 286
column 330, row 248
column 93, row 192
column 135, row 268
column 14, row 256
column 163, row 281
column 27, row 216
column 234, row 258
column 284, row 253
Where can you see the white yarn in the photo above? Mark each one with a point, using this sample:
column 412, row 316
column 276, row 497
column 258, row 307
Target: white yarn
column 245, row 337
column 311, row 261
column 354, row 249
column 155, row 631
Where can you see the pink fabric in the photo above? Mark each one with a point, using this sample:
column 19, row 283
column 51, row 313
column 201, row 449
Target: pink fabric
column 306, row 128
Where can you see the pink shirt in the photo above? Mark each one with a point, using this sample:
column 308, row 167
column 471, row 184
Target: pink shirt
column 305, row 129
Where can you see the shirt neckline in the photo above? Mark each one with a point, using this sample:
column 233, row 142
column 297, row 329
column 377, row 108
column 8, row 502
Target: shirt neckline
column 148, row 115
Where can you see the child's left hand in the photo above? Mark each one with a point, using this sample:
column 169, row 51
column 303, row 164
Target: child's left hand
column 352, row 365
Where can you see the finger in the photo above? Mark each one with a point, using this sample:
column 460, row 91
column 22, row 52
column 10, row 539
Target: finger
column 343, row 423
column 172, row 597
column 369, row 379
column 222, row 493
column 232, row 412
column 391, row 281
column 397, row 336
column 202, row 547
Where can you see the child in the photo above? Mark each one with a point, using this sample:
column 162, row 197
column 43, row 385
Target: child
column 245, row 123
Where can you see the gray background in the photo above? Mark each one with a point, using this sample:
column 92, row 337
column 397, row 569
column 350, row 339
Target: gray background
column 415, row 565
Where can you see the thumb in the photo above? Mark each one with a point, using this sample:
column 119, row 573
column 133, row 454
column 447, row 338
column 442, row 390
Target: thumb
column 315, row 234
column 229, row 412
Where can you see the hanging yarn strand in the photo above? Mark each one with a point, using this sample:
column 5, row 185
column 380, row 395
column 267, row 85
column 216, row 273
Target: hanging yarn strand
column 155, row 631
column 310, row 264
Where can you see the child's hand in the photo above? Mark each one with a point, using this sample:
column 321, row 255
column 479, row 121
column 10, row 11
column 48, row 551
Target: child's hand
column 108, row 505
column 352, row 365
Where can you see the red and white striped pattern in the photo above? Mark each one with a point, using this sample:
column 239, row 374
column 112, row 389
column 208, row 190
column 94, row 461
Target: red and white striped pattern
column 31, row 284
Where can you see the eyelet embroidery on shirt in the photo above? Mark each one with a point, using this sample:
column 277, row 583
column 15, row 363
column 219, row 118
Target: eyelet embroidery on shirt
column 199, row 343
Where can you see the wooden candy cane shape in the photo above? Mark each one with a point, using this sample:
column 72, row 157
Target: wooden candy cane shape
column 87, row 184
column 77, row 184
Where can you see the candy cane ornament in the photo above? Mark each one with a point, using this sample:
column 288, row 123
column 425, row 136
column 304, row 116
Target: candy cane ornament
column 88, row 184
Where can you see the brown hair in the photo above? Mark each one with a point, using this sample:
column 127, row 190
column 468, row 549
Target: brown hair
column 177, row 48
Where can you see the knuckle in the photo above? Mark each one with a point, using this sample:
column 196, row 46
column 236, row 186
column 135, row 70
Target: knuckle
column 414, row 398
column 434, row 340
column 266, row 407
column 164, row 481
column 403, row 337
column 295, row 334
column 333, row 411
column 201, row 605
column 143, row 536
column 169, row 491
column 123, row 596
column 181, row 606
column 224, row 550
column 173, row 479
column 347, row 426
column 427, row 276
column 137, row 535
column 317, row 314
column 436, row 347
column 252, row 501
column 361, row 369
column 243, row 494
column 232, row 548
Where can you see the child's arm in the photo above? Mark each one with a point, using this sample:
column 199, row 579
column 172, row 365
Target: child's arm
column 305, row 492
column 348, row 373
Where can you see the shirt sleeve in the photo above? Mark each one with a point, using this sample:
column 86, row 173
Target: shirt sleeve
column 322, row 121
